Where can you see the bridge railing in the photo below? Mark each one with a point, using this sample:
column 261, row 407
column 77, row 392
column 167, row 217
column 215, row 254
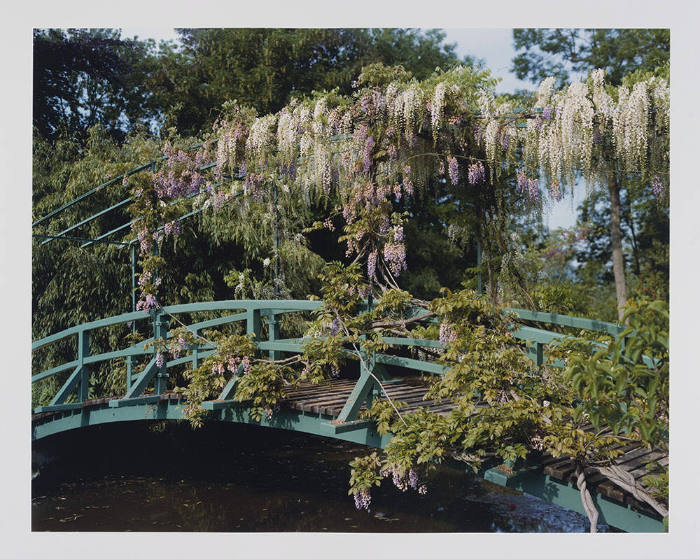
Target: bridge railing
column 252, row 313
column 372, row 368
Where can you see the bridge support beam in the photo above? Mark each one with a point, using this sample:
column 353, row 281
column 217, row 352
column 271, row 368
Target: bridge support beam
column 273, row 326
column 160, row 332
column 363, row 392
column 79, row 378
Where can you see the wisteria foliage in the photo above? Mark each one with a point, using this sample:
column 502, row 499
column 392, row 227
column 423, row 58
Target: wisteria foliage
column 358, row 155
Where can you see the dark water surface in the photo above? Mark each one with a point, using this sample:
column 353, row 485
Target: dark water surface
column 242, row 478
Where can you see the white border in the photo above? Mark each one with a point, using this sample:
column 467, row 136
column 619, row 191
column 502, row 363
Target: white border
column 15, row 271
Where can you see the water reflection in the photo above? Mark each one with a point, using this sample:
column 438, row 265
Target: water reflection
column 230, row 478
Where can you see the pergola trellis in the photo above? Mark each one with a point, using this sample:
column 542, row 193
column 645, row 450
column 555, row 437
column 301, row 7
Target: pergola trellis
column 516, row 117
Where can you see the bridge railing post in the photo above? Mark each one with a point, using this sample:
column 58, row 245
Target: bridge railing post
column 253, row 323
column 83, row 352
column 363, row 392
column 535, row 352
column 130, row 359
column 273, row 326
column 160, row 332
column 195, row 350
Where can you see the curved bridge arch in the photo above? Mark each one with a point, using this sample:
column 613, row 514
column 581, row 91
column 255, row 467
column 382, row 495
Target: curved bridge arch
column 329, row 410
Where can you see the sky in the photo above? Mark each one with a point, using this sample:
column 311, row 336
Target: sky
column 495, row 48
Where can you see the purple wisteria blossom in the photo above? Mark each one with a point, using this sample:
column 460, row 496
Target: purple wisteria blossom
column 172, row 228
column 144, row 240
column 657, row 186
column 413, row 479
column 407, row 183
column 528, row 185
column 447, row 334
column 395, row 256
column 362, row 500
column 476, row 173
column 372, row 264
column 505, row 140
column 147, row 304
column 453, row 170
column 245, row 362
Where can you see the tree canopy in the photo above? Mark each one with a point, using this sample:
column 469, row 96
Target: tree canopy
column 561, row 52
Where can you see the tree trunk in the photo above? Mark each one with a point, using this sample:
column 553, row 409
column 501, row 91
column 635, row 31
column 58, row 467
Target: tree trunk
column 587, row 499
column 616, row 240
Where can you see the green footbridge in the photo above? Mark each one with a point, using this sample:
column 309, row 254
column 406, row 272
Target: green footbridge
column 329, row 410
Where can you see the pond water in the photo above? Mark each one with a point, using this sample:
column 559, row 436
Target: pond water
column 242, row 478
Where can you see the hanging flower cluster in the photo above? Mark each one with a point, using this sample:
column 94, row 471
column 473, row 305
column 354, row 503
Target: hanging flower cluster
column 476, row 173
column 588, row 128
column 360, row 155
column 357, row 153
column 156, row 210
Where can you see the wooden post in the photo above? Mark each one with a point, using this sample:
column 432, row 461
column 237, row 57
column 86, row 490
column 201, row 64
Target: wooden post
column 130, row 358
column 253, row 323
column 195, row 352
column 273, row 326
column 83, row 352
column 160, row 331
column 534, row 352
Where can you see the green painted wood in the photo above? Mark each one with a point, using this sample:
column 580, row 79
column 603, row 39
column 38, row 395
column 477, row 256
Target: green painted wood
column 253, row 323
column 111, row 321
column 572, row 321
column 160, row 332
column 110, row 233
column 413, row 342
column 333, row 429
column 230, row 388
column 361, row 392
column 83, row 352
column 212, row 323
column 58, row 407
column 278, row 305
column 139, row 400
column 196, row 351
column 134, row 350
column 213, row 405
column 88, row 219
column 282, row 345
column 143, row 380
column 534, row 482
column 534, row 352
column 54, row 370
column 415, row 364
column 190, row 358
column 67, row 387
column 130, row 359
column 273, row 326
column 79, row 377
column 537, row 335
